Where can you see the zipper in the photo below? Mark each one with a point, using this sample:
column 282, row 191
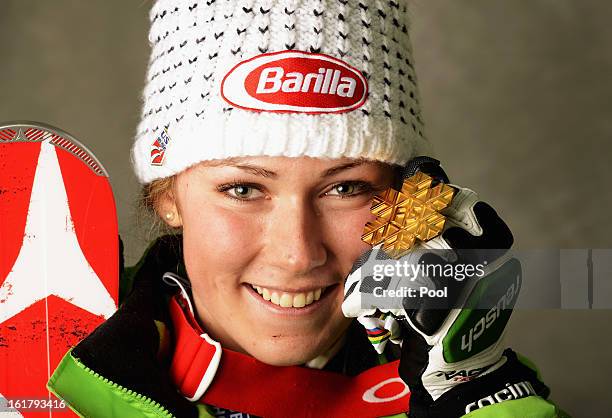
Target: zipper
column 164, row 413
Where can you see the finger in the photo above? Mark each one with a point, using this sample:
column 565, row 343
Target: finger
column 496, row 237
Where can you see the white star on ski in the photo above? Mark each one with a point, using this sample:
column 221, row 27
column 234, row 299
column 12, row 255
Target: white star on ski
column 51, row 261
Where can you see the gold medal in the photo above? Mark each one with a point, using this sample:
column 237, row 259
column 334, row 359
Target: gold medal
column 408, row 215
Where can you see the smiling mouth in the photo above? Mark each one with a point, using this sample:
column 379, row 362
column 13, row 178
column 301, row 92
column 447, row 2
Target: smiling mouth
column 290, row 299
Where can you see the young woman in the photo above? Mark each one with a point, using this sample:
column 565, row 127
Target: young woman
column 268, row 127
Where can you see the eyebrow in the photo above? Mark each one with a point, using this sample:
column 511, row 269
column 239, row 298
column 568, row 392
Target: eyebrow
column 256, row 170
column 262, row 172
column 335, row 170
column 232, row 162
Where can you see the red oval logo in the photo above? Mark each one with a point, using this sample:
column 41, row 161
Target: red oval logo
column 295, row 81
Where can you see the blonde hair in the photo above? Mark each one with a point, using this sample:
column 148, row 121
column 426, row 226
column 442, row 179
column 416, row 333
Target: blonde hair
column 150, row 195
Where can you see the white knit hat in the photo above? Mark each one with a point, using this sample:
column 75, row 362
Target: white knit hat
column 319, row 78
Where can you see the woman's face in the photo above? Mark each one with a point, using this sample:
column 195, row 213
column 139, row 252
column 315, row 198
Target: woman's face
column 268, row 242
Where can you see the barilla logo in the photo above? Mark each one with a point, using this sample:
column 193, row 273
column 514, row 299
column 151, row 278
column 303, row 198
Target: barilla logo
column 159, row 147
column 295, row 81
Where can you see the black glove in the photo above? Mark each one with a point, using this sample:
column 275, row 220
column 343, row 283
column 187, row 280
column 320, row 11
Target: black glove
column 447, row 341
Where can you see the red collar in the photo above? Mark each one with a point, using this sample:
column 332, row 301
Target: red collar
column 204, row 371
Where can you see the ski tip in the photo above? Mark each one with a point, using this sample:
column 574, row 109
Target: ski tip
column 29, row 131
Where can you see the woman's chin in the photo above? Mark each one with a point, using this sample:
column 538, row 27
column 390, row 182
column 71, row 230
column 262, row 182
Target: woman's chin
column 284, row 358
column 285, row 353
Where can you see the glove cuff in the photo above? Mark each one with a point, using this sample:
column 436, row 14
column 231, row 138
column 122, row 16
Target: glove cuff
column 513, row 380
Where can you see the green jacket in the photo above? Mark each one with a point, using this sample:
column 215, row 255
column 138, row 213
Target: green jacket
column 121, row 369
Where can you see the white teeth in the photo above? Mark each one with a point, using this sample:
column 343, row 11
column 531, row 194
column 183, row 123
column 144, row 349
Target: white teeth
column 309, row 298
column 287, row 300
column 299, row 300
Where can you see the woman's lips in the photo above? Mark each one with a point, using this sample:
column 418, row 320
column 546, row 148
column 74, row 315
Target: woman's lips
column 289, row 299
column 291, row 302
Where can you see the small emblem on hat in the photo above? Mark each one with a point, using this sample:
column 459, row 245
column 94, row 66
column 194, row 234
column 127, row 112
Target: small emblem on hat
column 159, row 147
column 295, row 81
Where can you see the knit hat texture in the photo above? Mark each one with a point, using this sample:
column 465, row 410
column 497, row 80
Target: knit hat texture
column 318, row 78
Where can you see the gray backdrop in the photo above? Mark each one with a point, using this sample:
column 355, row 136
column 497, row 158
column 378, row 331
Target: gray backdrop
column 517, row 103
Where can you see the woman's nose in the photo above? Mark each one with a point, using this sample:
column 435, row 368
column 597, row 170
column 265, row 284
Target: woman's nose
column 295, row 237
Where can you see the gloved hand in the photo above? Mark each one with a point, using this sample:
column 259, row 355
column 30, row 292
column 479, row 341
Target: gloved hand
column 455, row 339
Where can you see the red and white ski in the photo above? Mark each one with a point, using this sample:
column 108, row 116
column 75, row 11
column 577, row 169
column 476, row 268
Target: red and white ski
column 59, row 266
